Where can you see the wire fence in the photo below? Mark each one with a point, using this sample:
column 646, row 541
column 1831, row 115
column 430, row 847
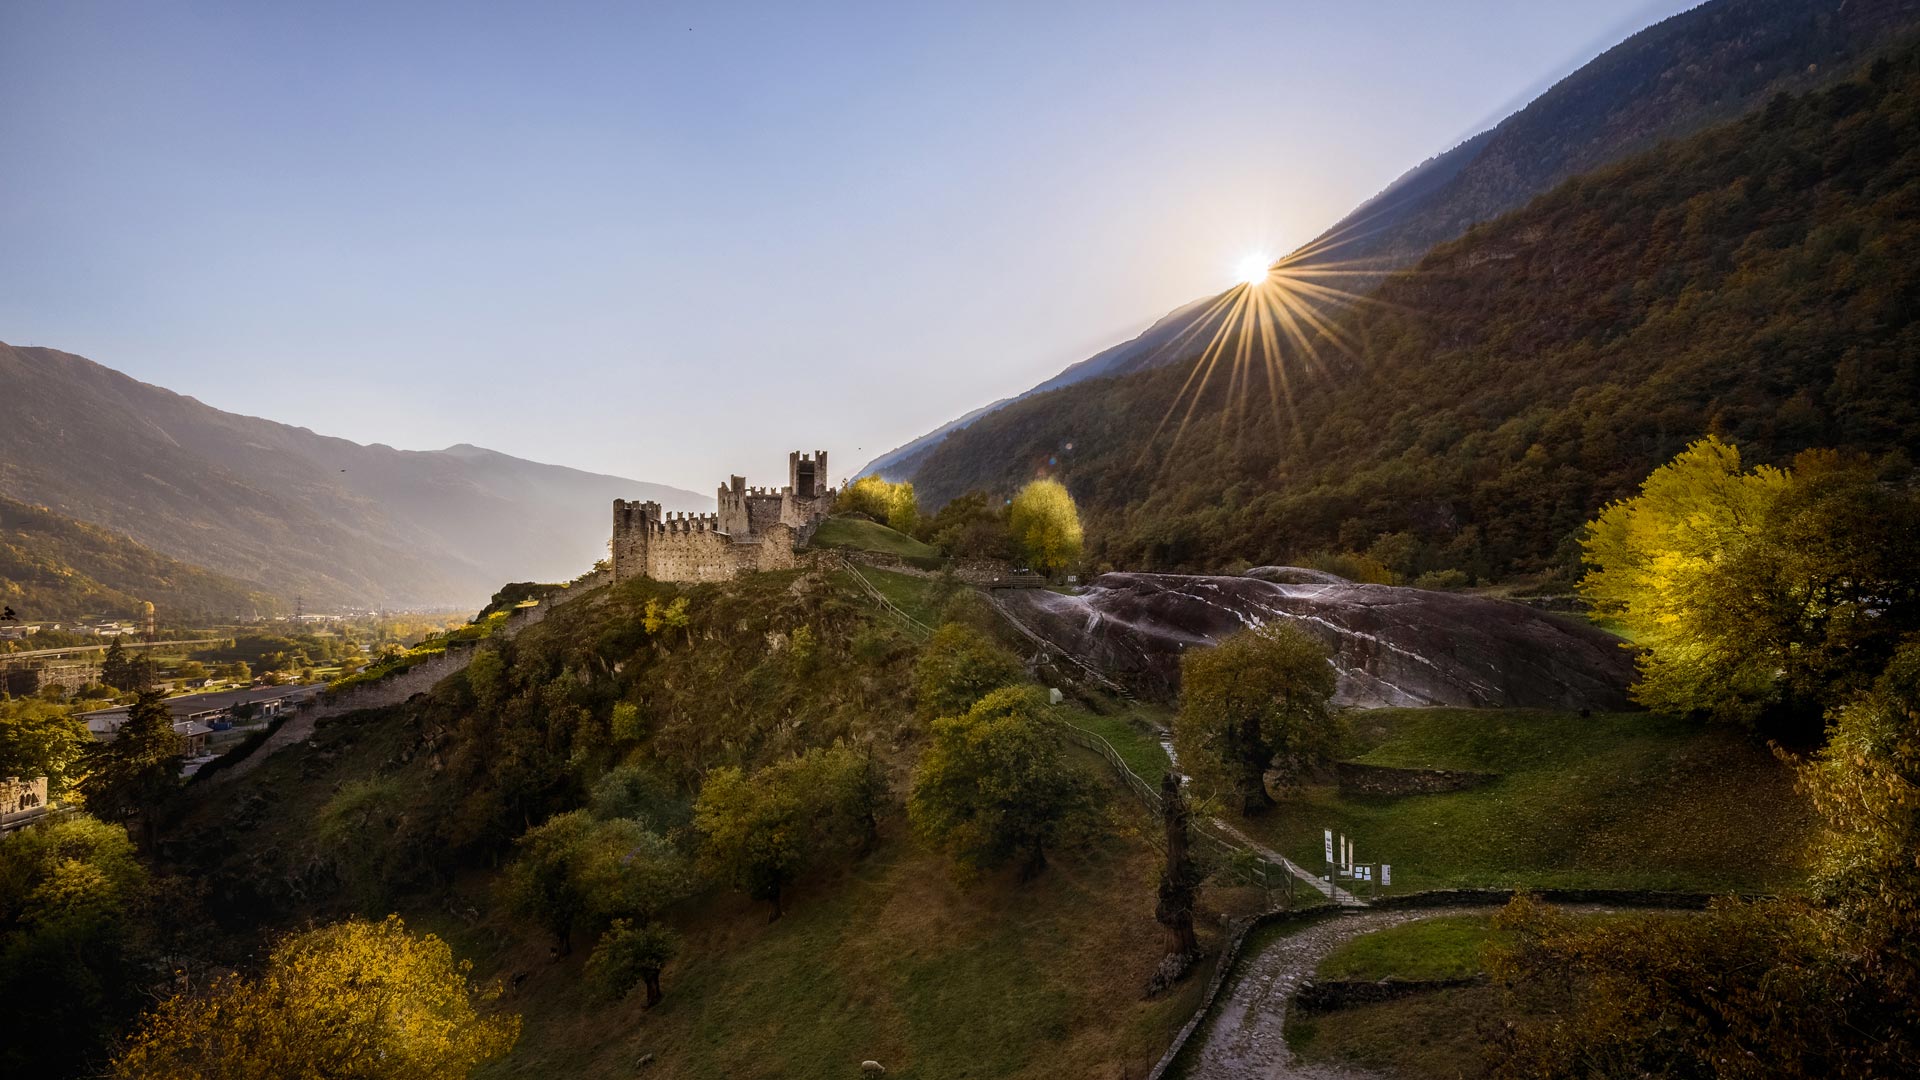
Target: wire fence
column 1238, row 860
column 914, row 626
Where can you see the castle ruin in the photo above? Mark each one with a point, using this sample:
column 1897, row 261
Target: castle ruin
column 752, row 528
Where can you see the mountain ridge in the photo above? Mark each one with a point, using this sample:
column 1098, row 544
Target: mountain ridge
column 299, row 512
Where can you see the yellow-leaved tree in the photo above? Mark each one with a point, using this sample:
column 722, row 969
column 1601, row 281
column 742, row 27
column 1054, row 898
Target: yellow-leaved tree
column 1761, row 595
column 1045, row 525
column 357, row 998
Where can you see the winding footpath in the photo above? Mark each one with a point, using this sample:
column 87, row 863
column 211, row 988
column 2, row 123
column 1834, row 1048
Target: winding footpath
column 1245, row 1038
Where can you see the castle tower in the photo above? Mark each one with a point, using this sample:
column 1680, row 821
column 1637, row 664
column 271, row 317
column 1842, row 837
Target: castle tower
column 807, row 476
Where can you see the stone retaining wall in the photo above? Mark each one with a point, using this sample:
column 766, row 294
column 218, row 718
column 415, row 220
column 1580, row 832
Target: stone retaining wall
column 1314, row 996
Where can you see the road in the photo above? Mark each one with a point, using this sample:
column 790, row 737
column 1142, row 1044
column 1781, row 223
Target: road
column 126, row 642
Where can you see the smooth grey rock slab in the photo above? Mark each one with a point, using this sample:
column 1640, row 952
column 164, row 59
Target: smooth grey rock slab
column 1391, row 645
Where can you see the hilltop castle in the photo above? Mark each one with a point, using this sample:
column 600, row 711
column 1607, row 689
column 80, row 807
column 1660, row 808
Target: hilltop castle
column 752, row 529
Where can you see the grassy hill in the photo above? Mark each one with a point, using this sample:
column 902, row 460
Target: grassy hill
column 54, row 568
column 1615, row 800
column 1760, row 280
column 863, row 535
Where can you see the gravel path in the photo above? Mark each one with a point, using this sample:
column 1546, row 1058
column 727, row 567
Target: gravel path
column 1244, row 1040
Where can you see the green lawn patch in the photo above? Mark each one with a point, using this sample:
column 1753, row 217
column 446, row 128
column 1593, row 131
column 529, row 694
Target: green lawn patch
column 1626, row 800
column 847, row 532
column 1447, row 947
column 1135, row 739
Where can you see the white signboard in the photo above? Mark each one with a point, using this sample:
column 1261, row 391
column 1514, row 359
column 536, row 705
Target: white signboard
column 1386, row 874
column 1329, row 845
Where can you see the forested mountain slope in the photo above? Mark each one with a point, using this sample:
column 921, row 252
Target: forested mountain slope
column 1760, row 280
column 54, row 568
column 1701, row 67
column 297, row 512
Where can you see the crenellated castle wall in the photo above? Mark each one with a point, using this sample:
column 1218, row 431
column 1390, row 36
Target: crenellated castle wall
column 752, row 529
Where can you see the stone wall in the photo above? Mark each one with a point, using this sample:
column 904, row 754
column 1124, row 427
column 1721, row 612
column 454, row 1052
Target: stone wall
column 1356, row 779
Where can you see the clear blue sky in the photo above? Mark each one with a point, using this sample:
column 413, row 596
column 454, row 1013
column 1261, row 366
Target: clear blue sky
column 673, row 242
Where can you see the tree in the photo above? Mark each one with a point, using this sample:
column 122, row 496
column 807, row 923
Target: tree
column 663, row 618
column 573, row 870
column 1763, row 596
column 118, row 670
column 1865, row 784
column 1179, row 877
column 1258, row 700
column 38, row 738
column 191, row 669
column 971, row 526
column 357, row 998
column 993, row 785
column 761, row 831
column 628, row 956
column 138, row 771
column 891, row 504
column 959, row 666
column 71, row 898
column 1046, row 526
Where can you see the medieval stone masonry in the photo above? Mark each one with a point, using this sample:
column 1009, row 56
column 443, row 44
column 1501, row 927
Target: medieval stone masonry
column 752, row 528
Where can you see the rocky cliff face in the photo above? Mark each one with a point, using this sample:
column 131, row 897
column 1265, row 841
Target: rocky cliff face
column 1392, row 645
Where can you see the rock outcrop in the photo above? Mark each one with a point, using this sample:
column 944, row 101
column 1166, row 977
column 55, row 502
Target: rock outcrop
column 1391, row 645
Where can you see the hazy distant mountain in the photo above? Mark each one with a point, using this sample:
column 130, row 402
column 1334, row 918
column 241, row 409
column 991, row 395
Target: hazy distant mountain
column 55, row 568
column 299, row 513
column 1693, row 70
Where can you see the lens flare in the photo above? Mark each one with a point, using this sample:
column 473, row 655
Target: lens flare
column 1254, row 270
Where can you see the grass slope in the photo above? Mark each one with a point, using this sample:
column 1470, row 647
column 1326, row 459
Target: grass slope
column 859, row 535
column 896, row 962
column 1448, row 947
column 1628, row 800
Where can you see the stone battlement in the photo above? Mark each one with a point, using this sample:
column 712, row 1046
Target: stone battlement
column 752, row 528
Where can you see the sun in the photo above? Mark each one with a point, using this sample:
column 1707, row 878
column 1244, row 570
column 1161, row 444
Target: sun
column 1254, row 270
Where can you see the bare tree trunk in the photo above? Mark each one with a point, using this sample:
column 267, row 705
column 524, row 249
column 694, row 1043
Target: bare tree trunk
column 652, row 978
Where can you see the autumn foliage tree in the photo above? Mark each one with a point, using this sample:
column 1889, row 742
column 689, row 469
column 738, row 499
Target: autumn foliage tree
column 1045, row 525
column 360, row 999
column 892, row 504
column 1761, row 594
column 1258, row 700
